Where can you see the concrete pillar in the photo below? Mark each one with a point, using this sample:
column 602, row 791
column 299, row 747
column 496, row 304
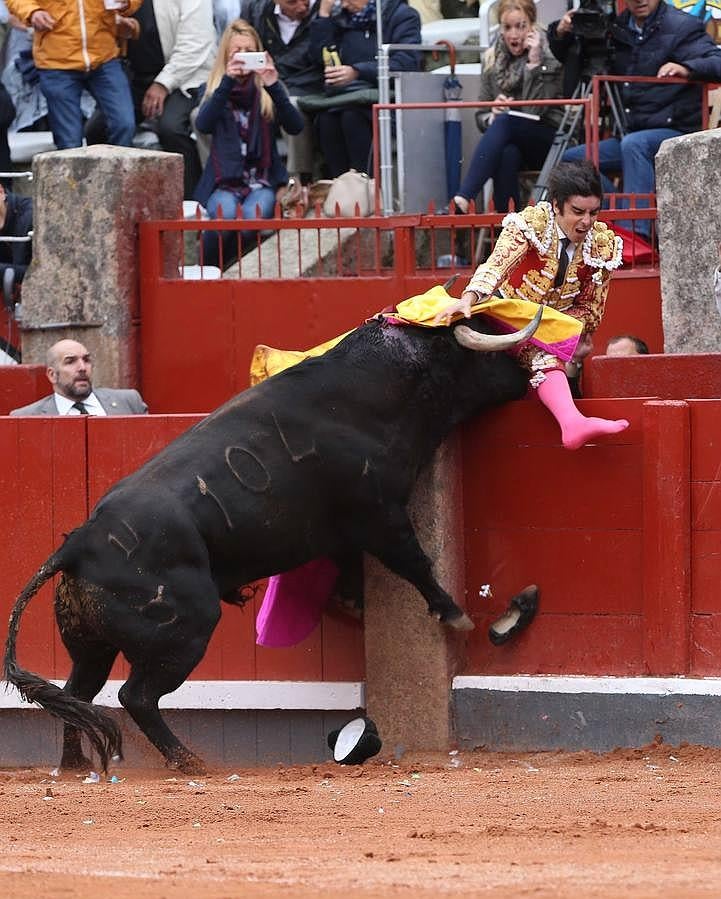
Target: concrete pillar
column 83, row 282
column 688, row 183
column 410, row 657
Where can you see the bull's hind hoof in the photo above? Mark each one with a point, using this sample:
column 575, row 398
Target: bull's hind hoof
column 519, row 614
column 460, row 623
column 188, row 764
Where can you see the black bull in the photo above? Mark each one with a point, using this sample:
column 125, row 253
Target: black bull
column 319, row 460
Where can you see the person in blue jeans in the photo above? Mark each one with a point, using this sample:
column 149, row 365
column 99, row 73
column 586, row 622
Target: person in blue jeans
column 240, row 111
column 75, row 48
column 654, row 39
column 519, row 66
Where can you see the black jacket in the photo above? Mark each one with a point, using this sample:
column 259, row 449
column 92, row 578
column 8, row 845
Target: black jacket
column 18, row 221
column 297, row 69
column 357, row 45
column 668, row 35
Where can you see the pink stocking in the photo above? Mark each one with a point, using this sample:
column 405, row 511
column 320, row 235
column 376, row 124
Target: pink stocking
column 576, row 429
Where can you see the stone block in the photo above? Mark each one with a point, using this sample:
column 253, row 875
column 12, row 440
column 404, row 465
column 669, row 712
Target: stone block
column 688, row 181
column 84, row 279
column 411, row 658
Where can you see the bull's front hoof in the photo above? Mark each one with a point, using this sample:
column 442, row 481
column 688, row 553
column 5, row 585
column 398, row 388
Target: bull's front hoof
column 460, row 623
column 519, row 614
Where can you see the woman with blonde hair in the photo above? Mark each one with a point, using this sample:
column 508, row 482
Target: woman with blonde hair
column 240, row 108
column 519, row 66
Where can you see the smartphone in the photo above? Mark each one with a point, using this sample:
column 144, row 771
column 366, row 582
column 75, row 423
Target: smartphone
column 252, row 62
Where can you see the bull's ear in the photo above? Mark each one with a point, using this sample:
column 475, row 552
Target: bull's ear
column 356, row 742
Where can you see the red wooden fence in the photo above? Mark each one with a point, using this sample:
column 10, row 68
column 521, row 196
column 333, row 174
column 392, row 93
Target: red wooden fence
column 621, row 537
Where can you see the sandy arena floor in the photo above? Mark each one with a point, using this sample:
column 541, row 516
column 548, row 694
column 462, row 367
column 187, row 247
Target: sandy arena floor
column 641, row 823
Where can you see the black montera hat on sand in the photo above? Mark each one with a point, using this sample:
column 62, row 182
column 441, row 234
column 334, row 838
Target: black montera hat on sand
column 355, row 742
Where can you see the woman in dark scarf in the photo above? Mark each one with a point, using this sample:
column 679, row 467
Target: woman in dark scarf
column 519, row 66
column 239, row 110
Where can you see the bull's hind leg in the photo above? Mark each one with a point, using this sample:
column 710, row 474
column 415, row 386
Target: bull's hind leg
column 90, row 671
column 395, row 544
column 139, row 696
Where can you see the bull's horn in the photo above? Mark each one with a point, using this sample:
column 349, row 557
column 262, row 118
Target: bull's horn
column 489, row 343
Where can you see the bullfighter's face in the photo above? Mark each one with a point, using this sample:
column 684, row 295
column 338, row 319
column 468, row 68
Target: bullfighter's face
column 577, row 216
column 70, row 370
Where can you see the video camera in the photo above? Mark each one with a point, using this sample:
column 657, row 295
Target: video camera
column 593, row 19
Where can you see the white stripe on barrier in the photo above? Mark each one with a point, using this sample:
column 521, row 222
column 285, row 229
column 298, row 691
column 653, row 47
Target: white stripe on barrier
column 645, row 686
column 224, row 694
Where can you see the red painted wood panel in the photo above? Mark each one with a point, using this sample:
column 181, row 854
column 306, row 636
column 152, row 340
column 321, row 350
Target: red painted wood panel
column 225, row 320
column 21, row 385
column 46, row 462
column 565, row 644
column 672, row 377
column 706, row 572
column 706, row 438
column 706, row 645
column 667, row 536
column 706, row 505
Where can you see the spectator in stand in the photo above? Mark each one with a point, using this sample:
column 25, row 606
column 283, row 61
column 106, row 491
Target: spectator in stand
column 225, row 12
column 167, row 64
column 648, row 38
column 7, row 115
column 16, row 220
column 626, row 345
column 238, row 109
column 345, row 132
column 70, row 370
column 75, row 47
column 519, row 66
column 284, row 29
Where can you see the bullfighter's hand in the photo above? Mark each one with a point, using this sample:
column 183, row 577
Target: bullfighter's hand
column 463, row 305
column 673, row 70
column 42, row 20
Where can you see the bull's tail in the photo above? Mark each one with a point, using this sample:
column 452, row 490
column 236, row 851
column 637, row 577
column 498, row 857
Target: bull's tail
column 99, row 727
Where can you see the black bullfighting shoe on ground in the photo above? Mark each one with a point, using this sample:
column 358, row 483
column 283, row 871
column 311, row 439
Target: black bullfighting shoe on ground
column 356, row 742
column 518, row 615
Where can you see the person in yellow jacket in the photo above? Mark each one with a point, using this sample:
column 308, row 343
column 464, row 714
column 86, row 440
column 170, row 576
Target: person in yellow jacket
column 75, row 48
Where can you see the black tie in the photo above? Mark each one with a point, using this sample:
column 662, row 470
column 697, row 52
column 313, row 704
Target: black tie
column 562, row 262
column 80, row 407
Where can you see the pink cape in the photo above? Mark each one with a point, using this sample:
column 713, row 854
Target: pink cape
column 294, row 603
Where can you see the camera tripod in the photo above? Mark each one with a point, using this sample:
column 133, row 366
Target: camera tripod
column 568, row 127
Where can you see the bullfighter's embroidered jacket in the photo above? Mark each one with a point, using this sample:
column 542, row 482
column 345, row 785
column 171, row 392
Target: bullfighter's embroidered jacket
column 524, row 263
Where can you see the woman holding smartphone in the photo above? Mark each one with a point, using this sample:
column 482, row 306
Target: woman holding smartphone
column 240, row 106
column 519, row 66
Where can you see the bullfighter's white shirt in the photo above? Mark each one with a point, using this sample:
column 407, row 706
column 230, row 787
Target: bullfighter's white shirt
column 91, row 403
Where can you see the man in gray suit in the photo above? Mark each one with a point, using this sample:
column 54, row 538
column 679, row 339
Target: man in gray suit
column 70, row 370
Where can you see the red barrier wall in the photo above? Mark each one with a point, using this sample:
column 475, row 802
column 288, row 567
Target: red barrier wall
column 681, row 376
column 622, row 538
column 54, row 471
column 198, row 337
